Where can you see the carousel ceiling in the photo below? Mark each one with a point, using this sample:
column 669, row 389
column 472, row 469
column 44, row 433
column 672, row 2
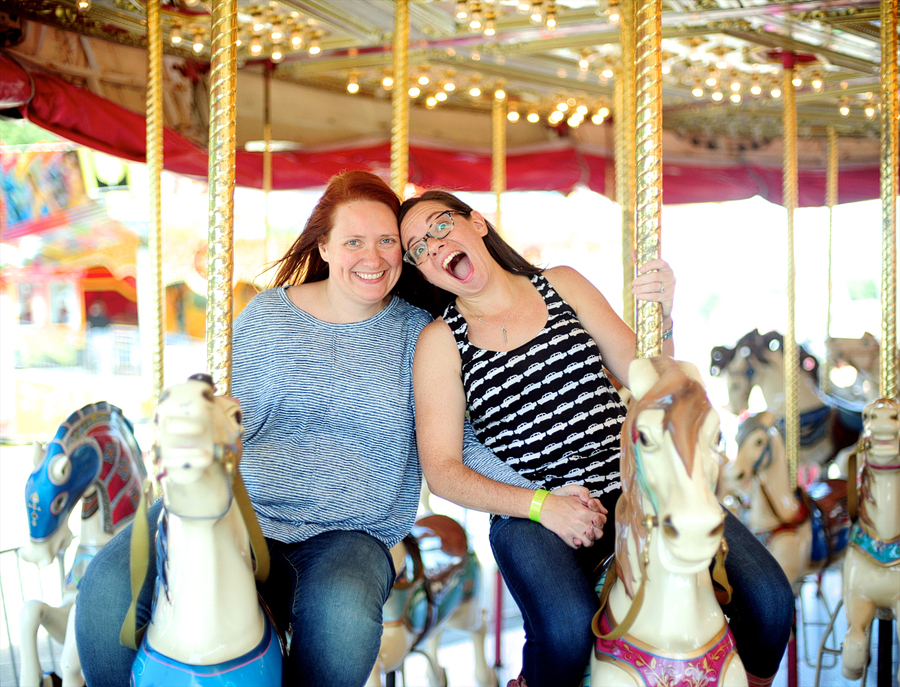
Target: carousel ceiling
column 556, row 63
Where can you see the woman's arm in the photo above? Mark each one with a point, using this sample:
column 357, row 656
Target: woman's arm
column 615, row 339
column 440, row 421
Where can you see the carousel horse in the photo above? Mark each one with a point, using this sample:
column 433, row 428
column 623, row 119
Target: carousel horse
column 660, row 622
column 872, row 563
column 207, row 626
column 757, row 360
column 863, row 354
column 804, row 530
column 437, row 586
column 93, row 458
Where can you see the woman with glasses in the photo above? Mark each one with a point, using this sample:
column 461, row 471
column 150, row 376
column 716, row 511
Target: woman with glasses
column 522, row 351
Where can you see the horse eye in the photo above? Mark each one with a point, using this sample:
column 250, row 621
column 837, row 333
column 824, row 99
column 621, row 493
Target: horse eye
column 238, row 417
column 759, row 441
column 208, row 394
column 645, row 441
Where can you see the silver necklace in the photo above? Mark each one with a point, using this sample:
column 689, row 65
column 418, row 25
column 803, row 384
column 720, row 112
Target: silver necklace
column 502, row 327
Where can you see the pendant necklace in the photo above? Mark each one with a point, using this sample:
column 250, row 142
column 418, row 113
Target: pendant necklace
column 502, row 327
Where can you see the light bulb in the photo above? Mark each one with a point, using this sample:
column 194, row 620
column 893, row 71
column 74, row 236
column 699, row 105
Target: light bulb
column 717, row 96
column 603, row 112
column 533, row 117
column 512, row 116
column 353, row 86
column 314, row 47
column 735, row 98
column 440, row 96
column 175, row 35
column 415, row 92
column 449, row 86
column 296, row 38
column 475, row 91
column 277, row 32
column 83, row 5
column 276, row 55
column 697, row 92
column 500, row 94
column 844, row 110
column 870, row 111
column 198, row 44
column 430, row 101
column 776, row 93
column 255, row 45
column 387, row 83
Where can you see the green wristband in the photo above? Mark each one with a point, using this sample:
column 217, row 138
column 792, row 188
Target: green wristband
column 534, row 513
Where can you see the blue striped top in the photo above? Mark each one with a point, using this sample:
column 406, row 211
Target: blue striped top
column 329, row 435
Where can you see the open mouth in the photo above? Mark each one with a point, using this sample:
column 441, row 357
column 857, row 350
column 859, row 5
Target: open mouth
column 457, row 265
column 370, row 276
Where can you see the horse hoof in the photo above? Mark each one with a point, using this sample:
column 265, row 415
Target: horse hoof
column 851, row 673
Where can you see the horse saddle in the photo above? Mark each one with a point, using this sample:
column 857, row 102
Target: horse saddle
column 439, row 549
column 827, row 504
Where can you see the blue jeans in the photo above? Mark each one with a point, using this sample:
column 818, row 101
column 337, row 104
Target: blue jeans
column 553, row 586
column 331, row 588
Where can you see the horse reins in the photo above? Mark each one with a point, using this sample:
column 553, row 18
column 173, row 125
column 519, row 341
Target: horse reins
column 723, row 596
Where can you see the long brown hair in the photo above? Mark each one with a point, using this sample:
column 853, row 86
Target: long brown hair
column 435, row 299
column 302, row 262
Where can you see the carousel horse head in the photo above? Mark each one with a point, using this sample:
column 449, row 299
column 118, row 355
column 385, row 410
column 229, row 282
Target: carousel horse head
column 881, row 433
column 93, row 455
column 881, row 441
column 861, row 353
column 758, row 438
column 669, row 469
column 752, row 354
column 198, row 435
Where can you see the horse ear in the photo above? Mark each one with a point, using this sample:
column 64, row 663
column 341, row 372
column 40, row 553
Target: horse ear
column 691, row 371
column 766, row 419
column 38, row 453
column 641, row 377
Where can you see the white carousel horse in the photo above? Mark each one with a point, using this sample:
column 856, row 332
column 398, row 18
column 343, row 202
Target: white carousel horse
column 757, row 360
column 93, row 458
column 437, row 586
column 872, row 563
column 207, row 626
column 804, row 531
column 669, row 527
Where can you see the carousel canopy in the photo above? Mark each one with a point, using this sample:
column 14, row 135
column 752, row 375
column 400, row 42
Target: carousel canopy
column 79, row 69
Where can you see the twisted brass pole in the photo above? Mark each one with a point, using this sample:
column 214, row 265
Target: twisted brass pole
column 498, row 154
column 648, row 140
column 790, row 193
column 831, row 196
column 889, row 179
column 400, row 100
column 220, row 271
column 267, row 153
column 154, row 171
column 625, row 155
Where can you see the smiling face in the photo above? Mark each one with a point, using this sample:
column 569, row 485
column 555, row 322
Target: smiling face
column 455, row 261
column 363, row 252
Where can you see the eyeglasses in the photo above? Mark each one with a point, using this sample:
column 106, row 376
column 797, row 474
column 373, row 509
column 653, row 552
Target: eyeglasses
column 438, row 229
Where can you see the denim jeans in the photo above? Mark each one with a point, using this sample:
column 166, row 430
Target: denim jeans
column 331, row 588
column 553, row 586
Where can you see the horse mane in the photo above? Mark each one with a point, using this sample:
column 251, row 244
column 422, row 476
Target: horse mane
column 685, row 405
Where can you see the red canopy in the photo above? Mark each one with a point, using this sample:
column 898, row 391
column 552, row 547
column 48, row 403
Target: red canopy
column 81, row 116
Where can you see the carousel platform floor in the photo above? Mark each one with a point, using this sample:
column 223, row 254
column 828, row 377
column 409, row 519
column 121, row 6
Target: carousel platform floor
column 23, row 581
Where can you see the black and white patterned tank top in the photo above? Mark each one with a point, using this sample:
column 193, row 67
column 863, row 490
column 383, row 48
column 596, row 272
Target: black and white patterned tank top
column 546, row 408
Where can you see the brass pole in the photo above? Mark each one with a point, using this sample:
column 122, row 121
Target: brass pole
column 400, row 100
column 790, row 194
column 625, row 123
column 831, row 197
column 648, row 148
column 890, row 112
column 222, row 81
column 154, row 170
column 498, row 154
column 267, row 153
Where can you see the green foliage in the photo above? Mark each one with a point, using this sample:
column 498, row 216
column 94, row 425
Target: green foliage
column 22, row 132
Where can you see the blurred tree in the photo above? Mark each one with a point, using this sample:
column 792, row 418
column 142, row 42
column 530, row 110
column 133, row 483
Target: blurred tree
column 22, row 132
